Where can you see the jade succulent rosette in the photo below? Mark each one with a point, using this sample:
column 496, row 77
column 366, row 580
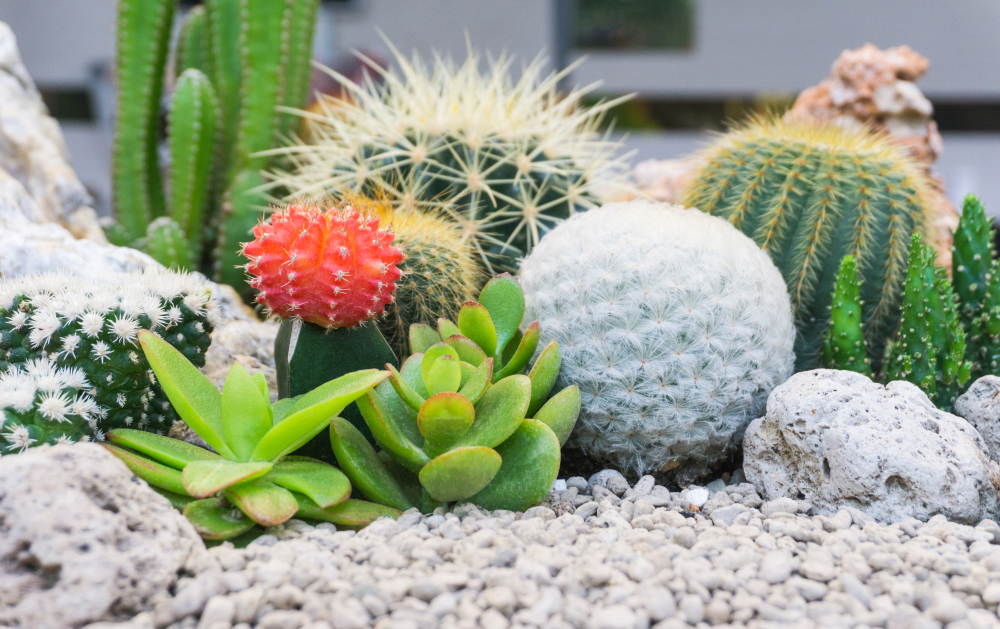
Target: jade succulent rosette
column 460, row 420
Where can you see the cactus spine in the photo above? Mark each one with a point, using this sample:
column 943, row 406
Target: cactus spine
column 143, row 40
column 844, row 344
column 808, row 195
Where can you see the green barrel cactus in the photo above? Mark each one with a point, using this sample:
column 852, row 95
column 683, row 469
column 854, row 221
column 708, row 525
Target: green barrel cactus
column 93, row 327
column 41, row 402
column 809, row 195
column 459, row 421
column 249, row 477
column 844, row 344
column 505, row 160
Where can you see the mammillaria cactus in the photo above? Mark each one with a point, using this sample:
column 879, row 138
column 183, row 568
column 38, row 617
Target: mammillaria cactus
column 43, row 403
column 506, row 160
column 92, row 326
column 452, row 421
column 250, row 468
column 810, row 194
column 674, row 325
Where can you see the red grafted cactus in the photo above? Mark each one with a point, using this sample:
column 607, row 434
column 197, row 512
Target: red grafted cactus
column 333, row 267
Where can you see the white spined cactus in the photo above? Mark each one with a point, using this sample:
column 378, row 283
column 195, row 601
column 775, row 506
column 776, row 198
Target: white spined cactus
column 675, row 326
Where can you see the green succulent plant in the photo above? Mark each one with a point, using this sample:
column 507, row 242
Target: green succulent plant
column 249, row 478
column 977, row 287
column 460, row 420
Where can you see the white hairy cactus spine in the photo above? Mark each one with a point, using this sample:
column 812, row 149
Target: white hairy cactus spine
column 675, row 326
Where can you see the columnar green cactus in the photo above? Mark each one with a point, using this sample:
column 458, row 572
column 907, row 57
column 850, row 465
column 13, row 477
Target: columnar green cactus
column 43, row 403
column 976, row 277
column 192, row 43
column 453, row 419
column 143, row 40
column 844, row 343
column 809, row 195
column 166, row 243
column 93, row 327
column 193, row 116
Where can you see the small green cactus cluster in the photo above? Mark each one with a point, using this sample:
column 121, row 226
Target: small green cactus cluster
column 810, row 194
column 460, row 420
column 249, row 477
column 976, row 278
column 41, row 402
column 506, row 160
column 92, row 327
column 236, row 63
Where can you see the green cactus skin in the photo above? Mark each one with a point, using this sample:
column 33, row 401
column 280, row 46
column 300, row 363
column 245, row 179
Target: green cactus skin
column 192, row 43
column 844, row 343
column 92, row 327
column 808, row 195
column 298, row 66
column 984, row 339
column 192, row 136
column 143, row 43
column 971, row 258
column 947, row 334
column 244, row 207
column 165, row 242
column 224, row 27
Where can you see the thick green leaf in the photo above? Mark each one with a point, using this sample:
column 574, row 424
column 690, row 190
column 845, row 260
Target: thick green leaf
column 504, row 300
column 475, row 386
column 467, row 350
column 265, row 393
column 280, row 408
column 443, row 419
column 177, row 501
column 173, row 452
column 358, row 460
column 246, row 414
column 192, row 395
column 385, row 426
column 475, row 323
column 403, row 389
column 430, row 356
column 543, row 376
column 511, row 349
column 411, row 372
column 428, row 503
column 460, row 473
column 447, row 328
column 530, row 465
column 525, row 350
column 313, row 411
column 154, row 473
column 443, row 376
column 265, row 503
column 422, row 336
column 352, row 514
column 323, row 483
column 215, row 520
column 407, row 479
column 560, row 412
column 405, row 417
column 204, row 478
column 499, row 413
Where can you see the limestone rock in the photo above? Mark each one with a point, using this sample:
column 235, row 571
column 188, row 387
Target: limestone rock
column 980, row 406
column 83, row 539
column 33, row 152
column 836, row 439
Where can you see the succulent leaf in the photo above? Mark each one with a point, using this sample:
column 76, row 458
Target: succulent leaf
column 475, row 323
column 215, row 521
column 351, row 513
column 172, row 452
column 324, row 484
column 404, row 390
column 422, row 337
column 504, row 300
column 443, row 375
column 543, row 376
column 561, row 412
column 477, row 384
column 447, row 329
column 263, row 502
column 525, row 350
column 387, row 427
column 530, row 465
column 467, row 350
column 444, row 418
column 154, row 473
column 358, row 460
column 460, row 473
column 204, row 478
column 498, row 414
column 246, row 416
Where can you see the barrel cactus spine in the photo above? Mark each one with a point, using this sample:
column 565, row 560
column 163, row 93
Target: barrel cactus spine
column 809, row 195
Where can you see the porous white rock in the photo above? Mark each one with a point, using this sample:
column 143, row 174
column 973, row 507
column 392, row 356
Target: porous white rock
column 980, row 406
column 83, row 540
column 835, row 438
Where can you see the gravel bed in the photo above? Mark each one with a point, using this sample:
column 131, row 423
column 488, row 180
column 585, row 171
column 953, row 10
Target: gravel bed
column 600, row 556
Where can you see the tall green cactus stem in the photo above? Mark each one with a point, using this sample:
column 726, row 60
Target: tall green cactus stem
column 947, row 333
column 913, row 357
column 298, row 67
column 193, row 115
column 143, row 42
column 844, row 344
column 166, row 243
column 224, row 27
column 243, row 209
column 809, row 195
column 984, row 337
column 972, row 258
column 192, row 43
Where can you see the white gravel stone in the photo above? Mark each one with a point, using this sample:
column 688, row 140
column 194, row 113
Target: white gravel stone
column 697, row 496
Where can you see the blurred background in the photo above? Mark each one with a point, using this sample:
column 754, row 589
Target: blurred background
column 692, row 64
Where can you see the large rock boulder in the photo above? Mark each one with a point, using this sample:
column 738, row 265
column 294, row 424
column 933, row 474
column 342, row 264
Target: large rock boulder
column 82, row 539
column 837, row 439
column 980, row 406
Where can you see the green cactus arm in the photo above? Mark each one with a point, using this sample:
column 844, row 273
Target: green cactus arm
column 298, row 67
column 166, row 243
column 914, row 357
column 192, row 136
column 192, row 43
column 244, row 208
column 143, row 42
column 972, row 257
column 224, row 23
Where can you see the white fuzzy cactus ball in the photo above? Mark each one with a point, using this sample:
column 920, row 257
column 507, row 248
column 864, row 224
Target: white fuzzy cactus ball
column 675, row 326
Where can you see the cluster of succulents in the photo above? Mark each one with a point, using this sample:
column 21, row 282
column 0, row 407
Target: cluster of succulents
column 92, row 327
column 808, row 195
column 236, row 62
column 250, row 476
column 505, row 160
column 675, row 326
